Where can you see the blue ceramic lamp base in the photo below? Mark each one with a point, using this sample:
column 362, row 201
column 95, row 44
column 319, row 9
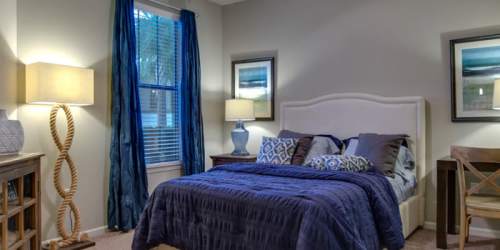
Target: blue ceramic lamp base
column 239, row 136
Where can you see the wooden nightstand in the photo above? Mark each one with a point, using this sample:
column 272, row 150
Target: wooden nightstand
column 228, row 158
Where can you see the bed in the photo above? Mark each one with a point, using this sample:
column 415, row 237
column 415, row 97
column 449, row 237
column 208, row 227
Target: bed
column 257, row 206
column 369, row 113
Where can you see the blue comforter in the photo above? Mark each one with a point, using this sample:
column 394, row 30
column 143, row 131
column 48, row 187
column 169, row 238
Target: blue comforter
column 259, row 206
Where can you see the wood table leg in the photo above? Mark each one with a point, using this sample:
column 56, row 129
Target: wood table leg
column 452, row 228
column 442, row 208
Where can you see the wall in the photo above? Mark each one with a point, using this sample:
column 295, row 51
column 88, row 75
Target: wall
column 383, row 47
column 73, row 33
column 8, row 60
column 79, row 33
column 209, row 25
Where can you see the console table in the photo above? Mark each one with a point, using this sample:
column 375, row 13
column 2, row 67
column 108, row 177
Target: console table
column 20, row 202
column 446, row 209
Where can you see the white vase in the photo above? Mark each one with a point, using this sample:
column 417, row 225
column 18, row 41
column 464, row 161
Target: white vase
column 11, row 135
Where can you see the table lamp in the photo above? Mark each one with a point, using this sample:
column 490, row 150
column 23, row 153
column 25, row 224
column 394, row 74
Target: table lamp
column 239, row 110
column 496, row 94
column 62, row 86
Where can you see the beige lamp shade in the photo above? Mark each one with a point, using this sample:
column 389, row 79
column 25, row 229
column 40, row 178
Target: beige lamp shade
column 239, row 110
column 496, row 95
column 51, row 83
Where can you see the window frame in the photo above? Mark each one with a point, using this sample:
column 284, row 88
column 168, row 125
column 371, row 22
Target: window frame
column 157, row 10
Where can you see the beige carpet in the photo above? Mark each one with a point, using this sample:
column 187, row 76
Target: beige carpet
column 421, row 239
column 425, row 239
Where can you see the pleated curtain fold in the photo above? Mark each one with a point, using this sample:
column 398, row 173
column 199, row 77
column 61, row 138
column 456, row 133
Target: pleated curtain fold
column 193, row 151
column 128, row 187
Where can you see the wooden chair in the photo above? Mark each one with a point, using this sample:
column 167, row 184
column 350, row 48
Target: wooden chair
column 471, row 202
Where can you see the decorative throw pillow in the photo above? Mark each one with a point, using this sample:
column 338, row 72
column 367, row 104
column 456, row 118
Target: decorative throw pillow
column 276, row 150
column 349, row 163
column 322, row 145
column 303, row 146
column 380, row 150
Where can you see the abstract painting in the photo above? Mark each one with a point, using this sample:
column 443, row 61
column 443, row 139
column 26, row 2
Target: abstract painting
column 254, row 79
column 475, row 66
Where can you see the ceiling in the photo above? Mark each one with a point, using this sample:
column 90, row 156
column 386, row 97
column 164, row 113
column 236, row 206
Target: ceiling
column 225, row 2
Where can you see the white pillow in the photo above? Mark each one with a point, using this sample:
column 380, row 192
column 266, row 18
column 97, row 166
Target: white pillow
column 321, row 145
column 351, row 148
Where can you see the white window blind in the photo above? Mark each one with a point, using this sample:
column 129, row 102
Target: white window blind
column 158, row 64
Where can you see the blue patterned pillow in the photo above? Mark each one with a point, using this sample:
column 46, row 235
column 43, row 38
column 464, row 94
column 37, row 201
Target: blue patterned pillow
column 277, row 150
column 349, row 163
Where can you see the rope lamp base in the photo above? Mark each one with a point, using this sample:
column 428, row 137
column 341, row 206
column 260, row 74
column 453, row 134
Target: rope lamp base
column 73, row 238
column 82, row 244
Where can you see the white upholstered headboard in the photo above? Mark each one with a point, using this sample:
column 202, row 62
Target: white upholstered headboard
column 348, row 114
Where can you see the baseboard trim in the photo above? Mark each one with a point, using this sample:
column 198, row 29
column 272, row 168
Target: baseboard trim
column 476, row 231
column 93, row 232
column 430, row 225
column 98, row 231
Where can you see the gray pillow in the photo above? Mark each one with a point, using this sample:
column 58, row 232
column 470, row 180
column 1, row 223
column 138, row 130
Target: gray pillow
column 381, row 150
column 404, row 161
column 322, row 145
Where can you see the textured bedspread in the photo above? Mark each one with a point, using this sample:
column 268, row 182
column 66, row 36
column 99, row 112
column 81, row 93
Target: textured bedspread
column 257, row 206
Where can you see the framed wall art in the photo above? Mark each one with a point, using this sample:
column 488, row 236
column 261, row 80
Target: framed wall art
column 254, row 79
column 475, row 65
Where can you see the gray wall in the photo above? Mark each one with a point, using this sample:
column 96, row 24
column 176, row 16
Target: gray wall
column 383, row 47
column 75, row 33
column 209, row 25
column 79, row 33
column 8, row 60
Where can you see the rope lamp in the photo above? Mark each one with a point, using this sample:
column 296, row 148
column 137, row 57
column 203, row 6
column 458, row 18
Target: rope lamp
column 62, row 86
column 67, row 196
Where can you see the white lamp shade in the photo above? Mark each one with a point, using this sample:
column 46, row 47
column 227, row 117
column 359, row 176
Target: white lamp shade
column 51, row 83
column 239, row 110
column 496, row 94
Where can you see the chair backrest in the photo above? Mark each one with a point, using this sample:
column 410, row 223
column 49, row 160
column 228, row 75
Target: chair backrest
column 464, row 157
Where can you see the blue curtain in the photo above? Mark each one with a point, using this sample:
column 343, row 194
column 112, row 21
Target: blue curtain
column 193, row 152
column 128, row 188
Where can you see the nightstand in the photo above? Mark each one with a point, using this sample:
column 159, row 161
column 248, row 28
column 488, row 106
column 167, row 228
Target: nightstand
column 228, row 158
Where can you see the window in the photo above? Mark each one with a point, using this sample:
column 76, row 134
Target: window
column 158, row 64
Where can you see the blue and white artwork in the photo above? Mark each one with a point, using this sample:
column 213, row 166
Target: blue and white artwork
column 475, row 67
column 253, row 79
column 480, row 68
